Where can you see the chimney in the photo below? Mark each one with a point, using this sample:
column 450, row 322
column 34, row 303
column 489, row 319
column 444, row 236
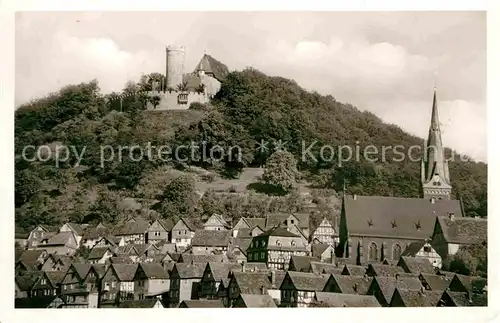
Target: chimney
column 273, row 278
column 451, row 216
column 243, row 267
column 332, row 257
column 262, row 290
column 397, row 276
column 354, row 196
column 433, row 200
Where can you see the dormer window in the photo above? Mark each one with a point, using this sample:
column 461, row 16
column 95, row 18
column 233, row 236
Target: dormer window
column 370, row 223
column 278, row 243
column 417, row 225
column 293, row 243
column 393, row 224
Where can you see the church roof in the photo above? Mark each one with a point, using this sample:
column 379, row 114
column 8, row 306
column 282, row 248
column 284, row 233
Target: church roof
column 210, row 65
column 410, row 218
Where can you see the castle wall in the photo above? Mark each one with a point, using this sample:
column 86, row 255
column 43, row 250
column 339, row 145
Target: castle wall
column 169, row 101
column 212, row 85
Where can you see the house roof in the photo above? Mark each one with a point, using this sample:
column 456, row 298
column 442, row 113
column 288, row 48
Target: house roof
column 307, row 281
column 202, row 304
column 61, row 238
column 192, row 258
column 419, row 298
column 472, row 284
column 124, row 272
column 131, row 228
column 208, row 64
column 317, row 249
column 98, row 252
column 436, row 282
column 188, row 270
column 395, row 216
column 208, row 238
column 153, row 271
column 100, row 269
column 354, row 270
column 463, row 230
column 121, row 259
column 384, row 270
column 413, row 248
column 94, row 233
column 467, row 299
column 243, row 244
column 278, row 232
column 302, row 263
column 324, row 268
column 276, row 219
column 30, row 256
column 76, row 227
column 81, row 269
column 416, row 265
column 55, row 277
column 255, row 300
column 168, row 224
column 353, row 284
column 27, row 280
column 252, row 282
column 346, row 300
column 221, row 270
column 143, row 303
column 387, row 285
column 255, row 222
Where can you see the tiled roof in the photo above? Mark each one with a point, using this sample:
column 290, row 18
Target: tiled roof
column 125, row 272
column 255, row 300
column 100, row 269
column 384, row 270
column 221, row 270
column 252, row 282
column 466, row 299
column 279, row 276
column 275, row 219
column 30, row 256
column 55, row 277
column 301, row 263
column 192, row 258
column 143, row 303
column 308, row 281
column 353, row 284
column 395, row 216
column 419, row 298
column 188, row 270
column 416, row 265
column 168, row 224
column 77, row 227
column 354, row 270
column 98, row 252
column 435, row 282
column 154, row 271
column 413, row 248
column 346, row 300
column 208, row 238
column 121, row 260
column 94, row 233
column 81, row 269
column 243, row 244
column 464, row 230
column 256, row 222
column 61, row 238
column 389, row 284
column 256, row 266
column 27, row 280
column 472, row 284
column 210, row 65
column 278, row 232
column 201, row 304
column 324, row 268
column 317, row 249
column 125, row 250
column 131, row 228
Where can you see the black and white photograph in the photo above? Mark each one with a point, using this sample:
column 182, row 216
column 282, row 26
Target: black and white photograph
column 250, row 159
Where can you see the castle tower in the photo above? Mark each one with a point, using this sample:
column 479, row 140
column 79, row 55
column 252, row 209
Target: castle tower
column 434, row 168
column 175, row 66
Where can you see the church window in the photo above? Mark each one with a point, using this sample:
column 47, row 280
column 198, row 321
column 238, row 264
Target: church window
column 396, row 252
column 373, row 252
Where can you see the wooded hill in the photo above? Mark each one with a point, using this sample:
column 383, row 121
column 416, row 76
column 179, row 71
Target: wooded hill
column 250, row 107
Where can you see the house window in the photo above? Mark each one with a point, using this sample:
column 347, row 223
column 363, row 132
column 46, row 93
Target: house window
column 113, row 284
column 372, row 255
column 291, row 221
column 44, row 281
column 427, row 249
column 396, row 252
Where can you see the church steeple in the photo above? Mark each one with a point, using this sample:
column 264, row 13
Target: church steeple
column 435, row 173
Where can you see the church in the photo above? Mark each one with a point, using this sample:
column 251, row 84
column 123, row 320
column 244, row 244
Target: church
column 379, row 228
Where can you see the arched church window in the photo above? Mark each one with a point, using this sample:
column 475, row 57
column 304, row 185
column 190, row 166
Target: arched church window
column 396, row 251
column 372, row 255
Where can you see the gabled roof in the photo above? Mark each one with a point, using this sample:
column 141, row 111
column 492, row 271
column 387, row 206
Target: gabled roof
column 346, row 300
column 352, row 284
column 61, row 239
column 192, row 258
column 276, row 219
column 307, row 281
column 188, row 270
column 278, row 232
column 471, row 284
column 131, row 228
column 80, row 269
column 418, row 298
column 383, row 270
column 416, row 265
column 353, row 270
column 255, row 300
column 27, row 280
column 98, row 252
column 124, row 272
column 219, row 219
column 153, row 271
column 30, row 256
column 324, row 268
column 387, row 285
column 201, row 304
column 167, row 224
column 413, row 248
column 255, row 222
column 94, row 233
column 210, row 65
column 317, row 249
column 76, row 227
column 222, row 270
column 466, row 299
column 208, row 238
column 187, row 223
column 435, row 282
column 252, row 282
column 463, row 230
column 99, row 269
column 399, row 217
column 301, row 263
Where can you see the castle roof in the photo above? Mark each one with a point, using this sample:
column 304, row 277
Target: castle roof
column 210, row 65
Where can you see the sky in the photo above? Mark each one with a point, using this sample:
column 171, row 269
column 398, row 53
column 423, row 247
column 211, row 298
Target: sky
column 384, row 62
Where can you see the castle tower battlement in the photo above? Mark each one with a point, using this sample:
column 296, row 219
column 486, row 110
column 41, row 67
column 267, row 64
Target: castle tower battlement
column 175, row 66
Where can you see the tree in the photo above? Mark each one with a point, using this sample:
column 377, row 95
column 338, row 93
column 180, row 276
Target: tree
column 179, row 197
column 281, row 171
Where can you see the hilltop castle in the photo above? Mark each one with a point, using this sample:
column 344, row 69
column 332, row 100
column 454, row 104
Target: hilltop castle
column 182, row 89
